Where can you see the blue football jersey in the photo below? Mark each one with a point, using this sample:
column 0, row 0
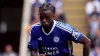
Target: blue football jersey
column 53, row 43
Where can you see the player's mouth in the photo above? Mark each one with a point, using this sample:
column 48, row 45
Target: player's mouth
column 45, row 24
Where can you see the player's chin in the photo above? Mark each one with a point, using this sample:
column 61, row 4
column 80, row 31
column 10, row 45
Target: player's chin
column 46, row 25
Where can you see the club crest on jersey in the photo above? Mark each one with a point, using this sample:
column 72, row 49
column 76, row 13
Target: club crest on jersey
column 56, row 39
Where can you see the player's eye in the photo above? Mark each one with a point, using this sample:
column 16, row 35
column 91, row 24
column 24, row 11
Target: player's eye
column 47, row 17
column 41, row 17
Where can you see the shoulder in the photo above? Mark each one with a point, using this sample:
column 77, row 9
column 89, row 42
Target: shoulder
column 64, row 26
column 35, row 26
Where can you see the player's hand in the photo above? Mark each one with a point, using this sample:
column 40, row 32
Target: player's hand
column 42, row 55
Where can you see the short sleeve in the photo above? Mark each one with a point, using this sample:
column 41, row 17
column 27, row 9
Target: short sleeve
column 33, row 41
column 76, row 36
column 73, row 34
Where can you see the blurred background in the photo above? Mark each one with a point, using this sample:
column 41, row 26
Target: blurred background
column 84, row 15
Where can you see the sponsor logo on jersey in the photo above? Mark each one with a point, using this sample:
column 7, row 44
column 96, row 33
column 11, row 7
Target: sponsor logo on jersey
column 50, row 50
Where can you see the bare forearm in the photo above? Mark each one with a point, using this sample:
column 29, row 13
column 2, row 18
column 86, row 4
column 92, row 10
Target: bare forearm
column 33, row 53
column 86, row 45
column 86, row 51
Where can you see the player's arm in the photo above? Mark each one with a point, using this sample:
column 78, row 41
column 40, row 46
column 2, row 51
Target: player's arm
column 86, row 45
column 33, row 42
column 34, row 52
column 78, row 37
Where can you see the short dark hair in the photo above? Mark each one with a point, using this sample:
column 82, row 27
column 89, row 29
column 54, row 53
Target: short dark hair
column 47, row 6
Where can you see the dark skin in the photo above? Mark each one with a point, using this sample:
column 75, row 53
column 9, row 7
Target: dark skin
column 46, row 19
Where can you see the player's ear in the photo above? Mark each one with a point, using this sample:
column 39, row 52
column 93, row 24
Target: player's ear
column 54, row 15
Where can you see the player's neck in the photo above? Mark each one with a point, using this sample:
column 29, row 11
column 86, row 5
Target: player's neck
column 48, row 28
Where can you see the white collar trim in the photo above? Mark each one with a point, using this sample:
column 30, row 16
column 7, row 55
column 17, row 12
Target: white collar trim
column 50, row 30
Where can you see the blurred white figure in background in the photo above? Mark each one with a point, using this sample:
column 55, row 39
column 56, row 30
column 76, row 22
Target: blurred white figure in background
column 94, row 25
column 42, row 1
column 93, row 12
column 9, row 51
column 97, row 5
column 90, row 6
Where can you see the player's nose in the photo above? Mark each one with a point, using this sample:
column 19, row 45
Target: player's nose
column 44, row 20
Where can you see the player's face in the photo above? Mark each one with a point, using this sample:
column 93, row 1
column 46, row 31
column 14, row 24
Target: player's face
column 46, row 17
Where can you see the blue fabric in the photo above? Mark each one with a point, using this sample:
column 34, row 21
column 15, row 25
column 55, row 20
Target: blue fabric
column 55, row 43
column 48, row 1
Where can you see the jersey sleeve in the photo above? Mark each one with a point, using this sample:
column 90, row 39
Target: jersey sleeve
column 73, row 34
column 76, row 36
column 33, row 41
